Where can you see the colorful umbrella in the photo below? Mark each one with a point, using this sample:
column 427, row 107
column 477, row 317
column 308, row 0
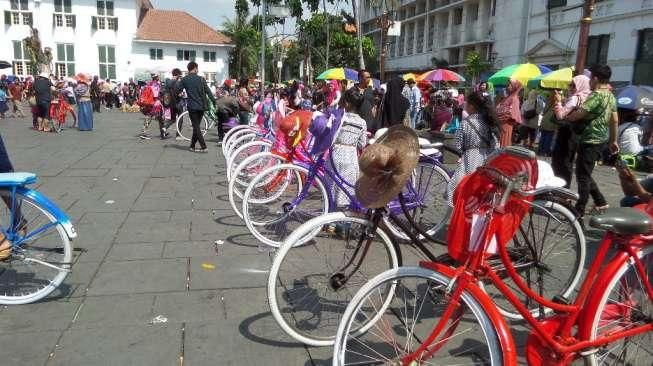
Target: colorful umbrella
column 339, row 73
column 440, row 75
column 558, row 79
column 636, row 97
column 5, row 65
column 521, row 72
column 409, row 76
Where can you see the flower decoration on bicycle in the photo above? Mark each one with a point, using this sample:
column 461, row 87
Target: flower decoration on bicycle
column 476, row 221
column 386, row 166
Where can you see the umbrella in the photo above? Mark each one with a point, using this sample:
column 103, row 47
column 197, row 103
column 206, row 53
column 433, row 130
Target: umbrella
column 635, row 97
column 339, row 73
column 409, row 76
column 558, row 79
column 521, row 72
column 440, row 75
column 5, row 65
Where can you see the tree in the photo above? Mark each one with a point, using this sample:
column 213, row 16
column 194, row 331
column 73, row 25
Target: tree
column 41, row 59
column 474, row 66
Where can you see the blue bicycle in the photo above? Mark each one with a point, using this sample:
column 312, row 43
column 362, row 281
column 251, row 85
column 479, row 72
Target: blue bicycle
column 40, row 235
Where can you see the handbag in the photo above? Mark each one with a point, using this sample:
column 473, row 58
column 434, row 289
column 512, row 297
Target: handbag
column 32, row 100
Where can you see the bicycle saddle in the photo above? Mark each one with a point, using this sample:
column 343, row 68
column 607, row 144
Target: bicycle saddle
column 17, row 179
column 623, row 220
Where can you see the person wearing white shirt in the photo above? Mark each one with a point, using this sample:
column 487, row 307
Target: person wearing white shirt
column 415, row 103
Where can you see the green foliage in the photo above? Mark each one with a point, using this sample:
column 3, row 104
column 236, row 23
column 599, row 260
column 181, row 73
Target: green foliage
column 244, row 57
column 474, row 65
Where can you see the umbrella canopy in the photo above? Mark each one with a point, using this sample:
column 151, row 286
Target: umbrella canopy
column 440, row 75
column 521, row 72
column 5, row 65
column 636, row 97
column 339, row 73
column 409, row 76
column 558, row 79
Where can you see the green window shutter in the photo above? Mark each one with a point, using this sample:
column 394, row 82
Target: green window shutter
column 152, row 54
column 70, row 52
column 111, row 71
column 103, row 72
column 54, row 20
column 180, row 55
column 23, row 4
column 71, row 69
column 57, row 6
column 116, row 24
column 206, row 56
column 100, row 8
column 109, row 5
column 94, row 23
column 7, row 17
column 102, row 54
column 18, row 53
column 61, row 52
column 111, row 52
column 31, row 19
column 159, row 54
column 14, row 4
column 67, row 6
column 74, row 20
column 192, row 55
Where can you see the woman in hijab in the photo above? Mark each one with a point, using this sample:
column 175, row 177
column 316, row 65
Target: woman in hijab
column 84, row 103
column 531, row 110
column 509, row 112
column 394, row 104
column 564, row 150
column 333, row 97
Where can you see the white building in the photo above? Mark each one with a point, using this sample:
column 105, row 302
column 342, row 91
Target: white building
column 113, row 39
column 621, row 35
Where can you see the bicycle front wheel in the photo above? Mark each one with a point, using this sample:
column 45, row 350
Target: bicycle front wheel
column 624, row 305
column 310, row 286
column 244, row 152
column 245, row 172
column 280, row 199
column 185, row 127
column 400, row 328
column 41, row 255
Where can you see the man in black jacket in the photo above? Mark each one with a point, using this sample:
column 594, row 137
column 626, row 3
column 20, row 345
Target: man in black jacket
column 364, row 87
column 197, row 93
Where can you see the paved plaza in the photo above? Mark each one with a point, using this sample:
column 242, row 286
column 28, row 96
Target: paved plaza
column 150, row 285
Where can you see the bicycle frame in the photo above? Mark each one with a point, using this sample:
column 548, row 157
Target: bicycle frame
column 560, row 339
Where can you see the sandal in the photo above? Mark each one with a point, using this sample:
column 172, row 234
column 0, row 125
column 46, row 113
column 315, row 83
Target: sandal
column 598, row 210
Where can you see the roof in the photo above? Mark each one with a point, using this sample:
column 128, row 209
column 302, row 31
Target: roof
column 177, row 27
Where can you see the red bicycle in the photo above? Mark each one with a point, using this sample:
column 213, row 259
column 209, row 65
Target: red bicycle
column 439, row 314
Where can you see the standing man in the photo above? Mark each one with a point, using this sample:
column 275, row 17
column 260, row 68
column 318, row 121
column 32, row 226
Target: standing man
column 415, row 103
column 198, row 93
column 171, row 99
column 364, row 87
column 43, row 89
column 594, row 124
column 95, row 94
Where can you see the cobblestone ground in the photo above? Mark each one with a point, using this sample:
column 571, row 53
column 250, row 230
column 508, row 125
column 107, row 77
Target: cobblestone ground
column 149, row 285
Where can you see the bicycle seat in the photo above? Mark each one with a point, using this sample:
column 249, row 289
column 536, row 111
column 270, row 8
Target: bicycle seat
column 17, row 179
column 623, row 220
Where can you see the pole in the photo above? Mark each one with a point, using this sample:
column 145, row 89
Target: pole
column 262, row 73
column 328, row 33
column 356, row 8
column 583, row 36
column 383, row 25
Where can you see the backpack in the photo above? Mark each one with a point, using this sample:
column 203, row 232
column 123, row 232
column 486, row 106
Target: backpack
column 146, row 100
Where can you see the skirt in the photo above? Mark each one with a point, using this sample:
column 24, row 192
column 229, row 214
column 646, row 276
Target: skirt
column 85, row 116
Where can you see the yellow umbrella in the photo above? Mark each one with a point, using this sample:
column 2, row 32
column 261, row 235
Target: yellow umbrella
column 409, row 76
column 558, row 79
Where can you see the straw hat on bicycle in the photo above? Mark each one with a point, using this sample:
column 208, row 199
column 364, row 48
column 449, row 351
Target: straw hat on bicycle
column 386, row 166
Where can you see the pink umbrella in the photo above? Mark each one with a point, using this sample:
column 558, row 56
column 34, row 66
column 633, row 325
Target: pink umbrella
column 440, row 75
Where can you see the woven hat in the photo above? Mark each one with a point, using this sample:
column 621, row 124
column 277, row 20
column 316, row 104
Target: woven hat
column 386, row 166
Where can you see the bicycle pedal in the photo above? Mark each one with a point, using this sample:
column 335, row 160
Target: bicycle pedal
column 559, row 299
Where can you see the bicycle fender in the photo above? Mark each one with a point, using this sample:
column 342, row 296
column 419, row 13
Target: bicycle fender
column 52, row 208
column 499, row 323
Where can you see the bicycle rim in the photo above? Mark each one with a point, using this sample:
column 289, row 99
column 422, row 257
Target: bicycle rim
column 310, row 286
column 417, row 306
column 184, row 127
column 39, row 240
column 243, row 175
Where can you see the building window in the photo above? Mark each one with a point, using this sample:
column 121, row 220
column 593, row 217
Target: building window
column 65, row 65
column 210, row 77
column 209, row 56
column 18, row 5
column 21, row 63
column 107, row 58
column 105, row 18
column 19, row 13
column 63, row 16
column 472, row 12
column 156, row 54
column 644, row 59
column 556, row 3
column 597, row 49
column 458, row 16
column 185, row 55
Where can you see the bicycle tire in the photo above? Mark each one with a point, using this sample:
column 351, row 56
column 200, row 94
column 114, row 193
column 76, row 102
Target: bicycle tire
column 275, row 230
column 183, row 123
column 241, row 181
column 245, row 151
column 229, row 134
column 44, row 240
column 304, row 275
column 240, row 141
column 405, row 326
column 234, row 137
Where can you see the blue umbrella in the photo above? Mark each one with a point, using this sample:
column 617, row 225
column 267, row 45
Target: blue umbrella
column 635, row 97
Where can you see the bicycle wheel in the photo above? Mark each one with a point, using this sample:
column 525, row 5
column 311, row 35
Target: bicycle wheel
column 310, row 286
column 548, row 251
column 419, row 302
column 229, row 134
column 185, row 127
column 244, row 152
column 245, row 172
column 425, row 200
column 239, row 142
column 274, row 210
column 233, row 138
column 624, row 305
column 42, row 253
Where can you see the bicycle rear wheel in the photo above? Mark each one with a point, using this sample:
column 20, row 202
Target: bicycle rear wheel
column 310, row 286
column 42, row 253
column 244, row 152
column 548, row 251
column 245, row 172
column 231, row 133
column 625, row 305
column 185, row 127
column 419, row 303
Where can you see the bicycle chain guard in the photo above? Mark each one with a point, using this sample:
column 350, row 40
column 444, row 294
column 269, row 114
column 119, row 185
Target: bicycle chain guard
column 538, row 353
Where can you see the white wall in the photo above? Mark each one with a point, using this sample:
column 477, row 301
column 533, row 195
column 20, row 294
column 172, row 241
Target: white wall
column 141, row 58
